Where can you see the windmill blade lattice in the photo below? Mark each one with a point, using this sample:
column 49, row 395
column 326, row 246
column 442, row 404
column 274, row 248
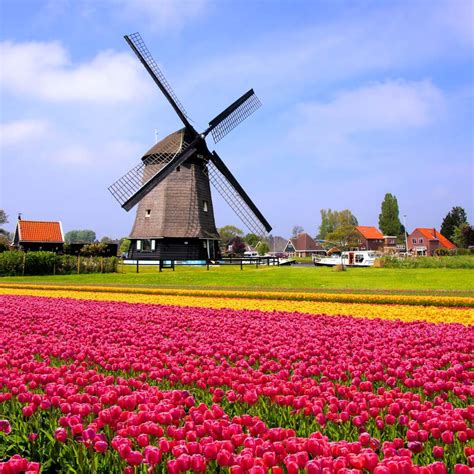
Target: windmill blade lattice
column 130, row 183
column 145, row 56
column 236, row 113
column 234, row 200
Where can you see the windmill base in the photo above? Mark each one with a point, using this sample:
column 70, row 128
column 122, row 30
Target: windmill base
column 168, row 248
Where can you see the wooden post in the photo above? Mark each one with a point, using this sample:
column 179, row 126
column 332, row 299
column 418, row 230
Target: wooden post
column 101, row 264
column 24, row 264
column 241, row 264
column 138, row 264
column 78, row 264
column 207, row 264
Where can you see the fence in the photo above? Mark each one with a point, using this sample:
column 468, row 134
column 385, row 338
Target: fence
column 162, row 264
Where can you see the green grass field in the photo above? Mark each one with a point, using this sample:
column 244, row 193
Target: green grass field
column 274, row 278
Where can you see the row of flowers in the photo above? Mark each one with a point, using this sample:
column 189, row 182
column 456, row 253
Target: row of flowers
column 362, row 310
column 116, row 387
column 337, row 297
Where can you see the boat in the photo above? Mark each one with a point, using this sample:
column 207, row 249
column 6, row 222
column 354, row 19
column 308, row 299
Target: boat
column 353, row 258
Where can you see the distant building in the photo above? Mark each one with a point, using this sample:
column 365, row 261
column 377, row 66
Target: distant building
column 302, row 246
column 424, row 241
column 369, row 238
column 39, row 235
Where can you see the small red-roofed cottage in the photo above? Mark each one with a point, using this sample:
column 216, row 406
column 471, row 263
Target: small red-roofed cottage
column 39, row 235
column 302, row 246
column 424, row 241
column 370, row 238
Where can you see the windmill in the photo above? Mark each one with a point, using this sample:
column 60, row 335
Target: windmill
column 171, row 183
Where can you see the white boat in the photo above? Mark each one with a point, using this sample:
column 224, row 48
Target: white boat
column 353, row 258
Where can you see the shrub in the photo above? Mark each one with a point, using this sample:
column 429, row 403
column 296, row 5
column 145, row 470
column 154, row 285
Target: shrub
column 429, row 262
column 442, row 252
column 40, row 263
column 11, row 263
column 15, row 263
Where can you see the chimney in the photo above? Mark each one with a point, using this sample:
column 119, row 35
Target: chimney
column 434, row 233
column 19, row 216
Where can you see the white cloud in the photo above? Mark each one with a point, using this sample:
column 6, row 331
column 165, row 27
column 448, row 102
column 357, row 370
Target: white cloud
column 18, row 132
column 164, row 15
column 44, row 70
column 334, row 129
column 99, row 156
column 388, row 105
column 361, row 42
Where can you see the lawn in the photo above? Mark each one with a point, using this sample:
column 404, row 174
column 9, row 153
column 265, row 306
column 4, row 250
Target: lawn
column 297, row 277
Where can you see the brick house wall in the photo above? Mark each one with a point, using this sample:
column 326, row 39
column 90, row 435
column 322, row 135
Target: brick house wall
column 422, row 245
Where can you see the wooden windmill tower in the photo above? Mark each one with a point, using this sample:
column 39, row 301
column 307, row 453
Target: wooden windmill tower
column 171, row 184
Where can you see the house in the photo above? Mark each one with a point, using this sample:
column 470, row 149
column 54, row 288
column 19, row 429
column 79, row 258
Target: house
column 369, row 238
column 39, row 235
column 424, row 241
column 302, row 246
column 390, row 244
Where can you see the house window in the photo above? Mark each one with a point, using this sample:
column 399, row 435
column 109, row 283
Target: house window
column 204, row 206
column 148, row 213
column 420, row 241
column 139, row 245
column 146, row 245
column 414, row 241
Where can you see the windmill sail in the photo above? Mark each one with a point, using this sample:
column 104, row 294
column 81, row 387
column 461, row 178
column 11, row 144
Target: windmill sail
column 138, row 46
column 235, row 196
column 140, row 175
column 236, row 113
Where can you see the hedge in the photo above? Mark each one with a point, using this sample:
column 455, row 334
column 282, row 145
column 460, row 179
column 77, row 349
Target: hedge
column 15, row 263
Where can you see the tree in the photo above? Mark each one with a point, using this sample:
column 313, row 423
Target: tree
column 228, row 232
column 3, row 220
column 251, row 239
column 345, row 236
column 238, row 246
column 331, row 220
column 297, row 229
column 262, row 247
column 94, row 249
column 107, row 240
column 463, row 235
column 389, row 221
column 80, row 236
column 124, row 245
column 4, row 243
column 455, row 217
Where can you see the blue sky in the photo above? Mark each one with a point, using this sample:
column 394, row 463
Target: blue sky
column 359, row 98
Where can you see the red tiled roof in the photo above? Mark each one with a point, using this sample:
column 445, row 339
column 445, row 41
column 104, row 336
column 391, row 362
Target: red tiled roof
column 40, row 231
column 369, row 232
column 433, row 234
column 304, row 242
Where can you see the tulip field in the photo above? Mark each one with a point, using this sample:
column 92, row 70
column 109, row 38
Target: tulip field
column 116, row 380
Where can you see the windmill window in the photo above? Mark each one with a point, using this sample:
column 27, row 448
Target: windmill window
column 153, row 245
column 204, row 206
column 139, row 244
column 204, row 244
column 178, row 169
column 148, row 213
